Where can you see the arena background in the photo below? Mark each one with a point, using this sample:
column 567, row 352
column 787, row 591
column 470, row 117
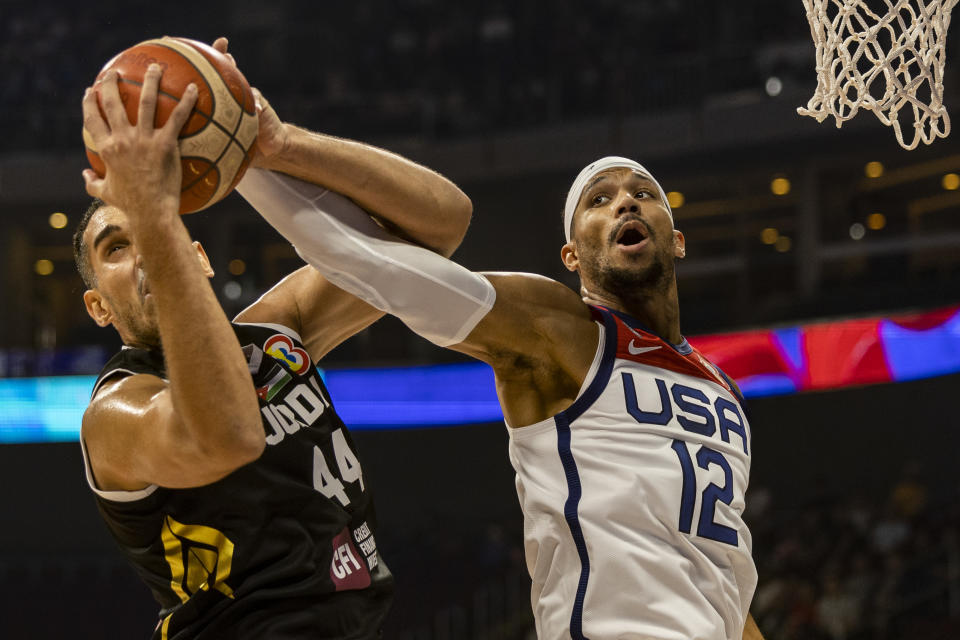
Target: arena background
column 853, row 497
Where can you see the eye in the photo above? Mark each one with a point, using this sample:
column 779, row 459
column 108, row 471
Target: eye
column 599, row 200
column 643, row 193
column 113, row 248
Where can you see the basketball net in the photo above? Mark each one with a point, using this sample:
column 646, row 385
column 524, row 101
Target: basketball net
column 880, row 60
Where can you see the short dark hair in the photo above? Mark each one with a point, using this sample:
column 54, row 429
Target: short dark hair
column 81, row 252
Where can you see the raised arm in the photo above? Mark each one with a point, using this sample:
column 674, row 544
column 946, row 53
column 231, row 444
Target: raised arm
column 142, row 430
column 536, row 333
column 414, row 201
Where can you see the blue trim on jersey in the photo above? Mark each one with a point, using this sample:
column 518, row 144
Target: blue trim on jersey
column 602, row 376
column 570, row 509
column 733, row 385
column 572, row 505
column 683, row 348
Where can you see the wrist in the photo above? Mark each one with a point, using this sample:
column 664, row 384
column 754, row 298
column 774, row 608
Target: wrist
column 156, row 221
column 274, row 146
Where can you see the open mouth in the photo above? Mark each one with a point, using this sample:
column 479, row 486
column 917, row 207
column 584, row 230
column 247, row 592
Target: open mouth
column 632, row 233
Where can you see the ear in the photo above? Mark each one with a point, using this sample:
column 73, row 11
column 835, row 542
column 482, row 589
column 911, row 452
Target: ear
column 97, row 307
column 204, row 260
column 568, row 253
column 679, row 244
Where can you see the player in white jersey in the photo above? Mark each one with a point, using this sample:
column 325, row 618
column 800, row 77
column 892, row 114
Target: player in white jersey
column 632, row 451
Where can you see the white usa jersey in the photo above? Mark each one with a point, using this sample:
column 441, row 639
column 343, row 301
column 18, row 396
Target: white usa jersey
column 633, row 497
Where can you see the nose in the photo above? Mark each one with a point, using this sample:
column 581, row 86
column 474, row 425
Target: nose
column 628, row 204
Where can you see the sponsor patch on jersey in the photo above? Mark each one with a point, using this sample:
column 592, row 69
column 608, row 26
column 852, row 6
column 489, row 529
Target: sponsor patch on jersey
column 348, row 570
column 281, row 347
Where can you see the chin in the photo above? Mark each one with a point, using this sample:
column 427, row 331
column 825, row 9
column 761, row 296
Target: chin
column 633, row 277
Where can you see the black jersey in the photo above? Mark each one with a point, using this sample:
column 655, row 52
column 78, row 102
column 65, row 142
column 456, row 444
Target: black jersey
column 281, row 548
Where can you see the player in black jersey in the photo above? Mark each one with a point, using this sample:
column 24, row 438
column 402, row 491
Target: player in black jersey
column 218, row 461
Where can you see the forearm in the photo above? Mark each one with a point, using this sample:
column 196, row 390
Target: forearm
column 197, row 339
column 435, row 297
column 423, row 205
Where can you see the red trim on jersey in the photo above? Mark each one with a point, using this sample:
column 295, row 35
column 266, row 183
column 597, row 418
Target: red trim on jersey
column 650, row 349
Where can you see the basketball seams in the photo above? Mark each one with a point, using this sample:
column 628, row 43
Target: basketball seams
column 216, row 69
column 225, row 149
column 231, row 140
column 164, row 94
column 196, row 59
column 200, row 72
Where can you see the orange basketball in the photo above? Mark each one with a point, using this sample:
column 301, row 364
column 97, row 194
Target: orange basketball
column 216, row 143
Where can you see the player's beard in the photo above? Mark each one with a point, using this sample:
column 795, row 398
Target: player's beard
column 627, row 282
column 140, row 323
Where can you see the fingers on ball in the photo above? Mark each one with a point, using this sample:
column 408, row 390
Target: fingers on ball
column 110, row 101
column 93, row 120
column 148, row 96
column 180, row 113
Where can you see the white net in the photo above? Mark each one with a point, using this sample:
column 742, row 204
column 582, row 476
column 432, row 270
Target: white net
column 886, row 56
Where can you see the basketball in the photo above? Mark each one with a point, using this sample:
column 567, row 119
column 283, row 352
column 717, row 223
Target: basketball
column 216, row 143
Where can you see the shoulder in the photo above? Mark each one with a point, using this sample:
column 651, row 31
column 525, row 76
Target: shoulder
column 111, row 421
column 540, row 338
column 121, row 394
column 531, row 302
column 535, row 289
column 535, row 322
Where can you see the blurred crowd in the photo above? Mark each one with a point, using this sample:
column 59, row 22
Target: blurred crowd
column 848, row 568
column 413, row 67
column 840, row 567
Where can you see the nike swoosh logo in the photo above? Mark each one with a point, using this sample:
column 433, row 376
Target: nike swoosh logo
column 635, row 351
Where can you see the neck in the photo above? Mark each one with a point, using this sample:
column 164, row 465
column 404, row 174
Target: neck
column 141, row 340
column 658, row 310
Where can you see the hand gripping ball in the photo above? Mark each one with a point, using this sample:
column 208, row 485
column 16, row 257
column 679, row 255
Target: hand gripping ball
column 217, row 141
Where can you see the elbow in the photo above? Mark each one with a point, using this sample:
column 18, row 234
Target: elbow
column 251, row 445
column 463, row 213
column 460, row 214
column 249, row 441
column 237, row 446
column 246, row 435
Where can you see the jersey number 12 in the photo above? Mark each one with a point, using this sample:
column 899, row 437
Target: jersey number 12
column 706, row 527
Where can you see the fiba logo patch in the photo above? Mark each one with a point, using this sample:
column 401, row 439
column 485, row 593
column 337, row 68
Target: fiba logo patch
column 281, row 347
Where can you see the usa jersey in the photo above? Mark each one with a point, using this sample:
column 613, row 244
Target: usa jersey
column 282, row 547
column 633, row 497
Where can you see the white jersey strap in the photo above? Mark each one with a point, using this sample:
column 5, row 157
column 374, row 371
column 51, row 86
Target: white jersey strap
column 435, row 297
column 112, row 496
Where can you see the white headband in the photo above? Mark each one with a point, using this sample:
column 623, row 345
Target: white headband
column 591, row 170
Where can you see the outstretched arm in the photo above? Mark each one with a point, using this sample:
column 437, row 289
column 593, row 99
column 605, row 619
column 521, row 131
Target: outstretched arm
column 536, row 333
column 414, row 201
